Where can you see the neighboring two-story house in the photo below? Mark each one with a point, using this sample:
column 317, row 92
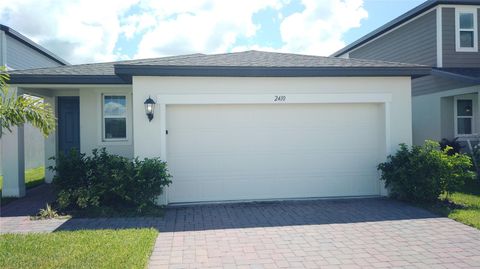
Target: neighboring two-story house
column 19, row 52
column 443, row 34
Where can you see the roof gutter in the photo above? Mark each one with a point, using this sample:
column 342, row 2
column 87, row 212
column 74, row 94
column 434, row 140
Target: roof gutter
column 66, row 79
column 229, row 71
column 446, row 74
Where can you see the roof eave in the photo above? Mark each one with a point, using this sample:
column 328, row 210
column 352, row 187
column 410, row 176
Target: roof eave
column 66, row 79
column 446, row 74
column 222, row 71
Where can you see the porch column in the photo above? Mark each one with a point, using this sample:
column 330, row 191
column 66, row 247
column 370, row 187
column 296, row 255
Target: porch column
column 13, row 163
column 50, row 148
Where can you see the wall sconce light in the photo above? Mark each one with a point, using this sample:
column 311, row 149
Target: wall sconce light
column 149, row 108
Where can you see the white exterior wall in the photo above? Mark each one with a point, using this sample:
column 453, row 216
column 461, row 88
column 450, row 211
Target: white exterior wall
column 146, row 141
column 91, row 122
column 146, row 133
column 432, row 116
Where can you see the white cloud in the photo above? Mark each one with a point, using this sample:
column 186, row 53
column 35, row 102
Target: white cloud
column 79, row 31
column 88, row 30
column 206, row 26
column 215, row 26
column 319, row 29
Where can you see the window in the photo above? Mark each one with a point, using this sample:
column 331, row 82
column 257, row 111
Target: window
column 466, row 30
column 464, row 117
column 114, row 117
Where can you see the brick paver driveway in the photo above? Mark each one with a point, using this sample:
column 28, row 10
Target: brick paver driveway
column 369, row 233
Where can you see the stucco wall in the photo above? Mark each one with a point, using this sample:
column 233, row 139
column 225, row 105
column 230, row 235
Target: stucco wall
column 433, row 114
column 91, row 122
column 146, row 140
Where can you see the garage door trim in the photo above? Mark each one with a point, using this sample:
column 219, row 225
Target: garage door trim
column 280, row 98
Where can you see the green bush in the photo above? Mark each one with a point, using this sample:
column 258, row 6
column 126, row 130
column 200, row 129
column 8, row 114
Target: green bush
column 108, row 180
column 455, row 146
column 422, row 173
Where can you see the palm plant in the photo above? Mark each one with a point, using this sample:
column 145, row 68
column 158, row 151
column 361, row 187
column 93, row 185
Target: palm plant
column 16, row 110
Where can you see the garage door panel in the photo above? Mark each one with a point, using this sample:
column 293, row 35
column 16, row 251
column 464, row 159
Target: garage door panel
column 250, row 116
column 236, row 152
column 205, row 189
column 263, row 163
column 272, row 140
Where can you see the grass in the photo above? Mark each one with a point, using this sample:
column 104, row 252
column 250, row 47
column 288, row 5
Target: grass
column 130, row 248
column 462, row 206
column 33, row 178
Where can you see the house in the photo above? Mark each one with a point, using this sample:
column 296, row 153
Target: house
column 443, row 35
column 19, row 52
column 238, row 126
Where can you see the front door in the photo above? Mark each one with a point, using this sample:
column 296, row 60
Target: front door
column 68, row 124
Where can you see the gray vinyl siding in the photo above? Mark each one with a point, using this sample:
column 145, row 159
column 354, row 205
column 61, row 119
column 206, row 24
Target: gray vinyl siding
column 451, row 58
column 432, row 84
column 414, row 42
column 3, row 48
column 21, row 56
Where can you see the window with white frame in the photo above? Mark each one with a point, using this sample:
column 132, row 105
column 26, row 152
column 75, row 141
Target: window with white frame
column 466, row 30
column 464, row 116
column 114, row 117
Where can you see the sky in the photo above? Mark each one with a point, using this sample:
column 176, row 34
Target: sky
column 85, row 31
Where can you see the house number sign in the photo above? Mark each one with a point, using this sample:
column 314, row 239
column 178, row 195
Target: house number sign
column 280, row 98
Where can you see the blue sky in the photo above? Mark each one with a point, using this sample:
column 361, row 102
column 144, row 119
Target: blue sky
column 126, row 29
column 379, row 13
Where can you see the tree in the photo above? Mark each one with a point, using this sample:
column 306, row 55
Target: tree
column 16, row 110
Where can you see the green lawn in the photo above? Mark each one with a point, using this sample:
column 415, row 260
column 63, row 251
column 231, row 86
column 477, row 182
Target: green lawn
column 130, row 248
column 469, row 200
column 464, row 207
column 33, row 177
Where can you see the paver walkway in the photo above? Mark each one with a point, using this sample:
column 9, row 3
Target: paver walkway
column 368, row 233
column 15, row 216
column 35, row 199
column 363, row 233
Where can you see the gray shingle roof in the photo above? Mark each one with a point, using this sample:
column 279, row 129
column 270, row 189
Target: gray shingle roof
column 248, row 63
column 237, row 59
column 465, row 74
column 95, row 69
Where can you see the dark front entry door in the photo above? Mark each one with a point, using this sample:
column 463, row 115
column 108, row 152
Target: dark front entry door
column 68, row 124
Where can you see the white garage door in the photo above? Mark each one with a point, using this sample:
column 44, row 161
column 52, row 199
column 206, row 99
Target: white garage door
column 242, row 152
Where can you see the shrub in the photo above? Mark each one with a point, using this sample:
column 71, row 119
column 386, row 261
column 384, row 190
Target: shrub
column 476, row 158
column 422, row 173
column 47, row 213
column 455, row 146
column 108, row 180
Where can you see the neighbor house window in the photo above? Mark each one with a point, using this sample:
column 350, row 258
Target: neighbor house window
column 466, row 30
column 464, row 117
column 114, row 117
